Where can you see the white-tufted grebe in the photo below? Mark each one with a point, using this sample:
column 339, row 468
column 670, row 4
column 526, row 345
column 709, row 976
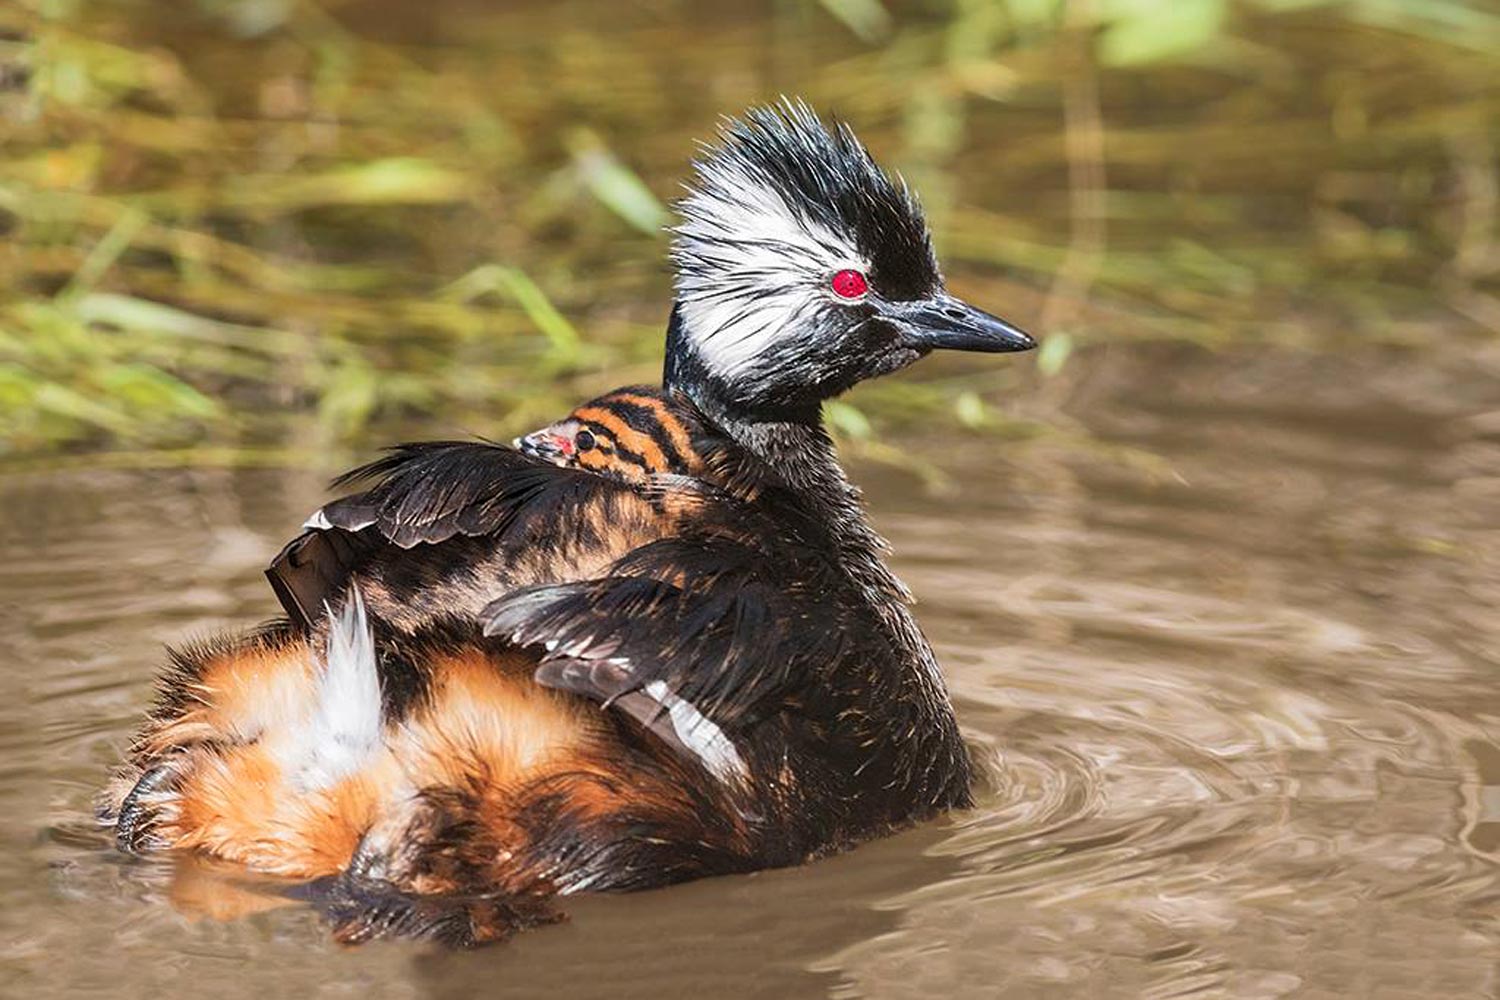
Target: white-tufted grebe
column 657, row 642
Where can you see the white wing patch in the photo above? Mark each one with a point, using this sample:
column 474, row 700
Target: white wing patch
column 700, row 734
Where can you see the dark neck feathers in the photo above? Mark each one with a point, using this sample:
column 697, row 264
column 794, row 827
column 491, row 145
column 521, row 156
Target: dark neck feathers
column 797, row 447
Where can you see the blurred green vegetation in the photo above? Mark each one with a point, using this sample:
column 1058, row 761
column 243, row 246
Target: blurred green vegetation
column 265, row 224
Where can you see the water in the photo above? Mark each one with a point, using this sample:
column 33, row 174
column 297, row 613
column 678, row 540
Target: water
column 1224, row 636
column 1237, row 705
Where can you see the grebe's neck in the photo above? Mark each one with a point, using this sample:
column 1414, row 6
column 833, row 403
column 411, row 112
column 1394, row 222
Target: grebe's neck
column 789, row 437
column 794, row 444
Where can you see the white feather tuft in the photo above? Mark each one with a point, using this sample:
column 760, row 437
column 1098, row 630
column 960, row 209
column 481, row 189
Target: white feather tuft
column 749, row 264
column 344, row 726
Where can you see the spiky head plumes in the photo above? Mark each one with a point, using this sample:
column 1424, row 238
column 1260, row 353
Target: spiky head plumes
column 802, row 268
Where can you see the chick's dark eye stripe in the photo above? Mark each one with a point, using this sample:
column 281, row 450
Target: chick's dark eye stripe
column 676, row 431
column 656, row 423
column 646, row 426
column 604, row 436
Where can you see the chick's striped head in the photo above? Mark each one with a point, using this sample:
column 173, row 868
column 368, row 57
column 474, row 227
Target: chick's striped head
column 629, row 434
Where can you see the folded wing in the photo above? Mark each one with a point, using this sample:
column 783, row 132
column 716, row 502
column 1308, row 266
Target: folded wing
column 442, row 521
column 697, row 636
column 695, row 611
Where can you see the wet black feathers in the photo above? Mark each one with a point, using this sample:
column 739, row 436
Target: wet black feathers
column 424, row 494
column 431, row 492
column 726, row 625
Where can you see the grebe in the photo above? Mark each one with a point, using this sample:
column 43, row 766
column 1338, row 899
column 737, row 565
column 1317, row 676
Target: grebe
column 511, row 674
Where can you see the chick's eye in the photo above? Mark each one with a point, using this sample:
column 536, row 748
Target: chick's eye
column 584, row 441
column 849, row 284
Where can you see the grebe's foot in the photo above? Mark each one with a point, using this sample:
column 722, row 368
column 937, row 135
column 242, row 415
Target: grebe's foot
column 144, row 807
column 403, row 883
column 364, row 910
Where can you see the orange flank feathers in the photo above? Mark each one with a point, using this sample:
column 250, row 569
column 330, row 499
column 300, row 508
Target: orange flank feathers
column 243, row 791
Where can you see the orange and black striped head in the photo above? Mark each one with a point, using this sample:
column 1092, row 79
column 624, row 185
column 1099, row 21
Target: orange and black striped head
column 630, row 433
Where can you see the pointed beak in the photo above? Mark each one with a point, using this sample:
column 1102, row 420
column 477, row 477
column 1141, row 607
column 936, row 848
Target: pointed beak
column 944, row 322
column 543, row 444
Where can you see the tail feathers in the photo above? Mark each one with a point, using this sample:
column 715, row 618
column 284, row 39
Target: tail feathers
column 344, row 727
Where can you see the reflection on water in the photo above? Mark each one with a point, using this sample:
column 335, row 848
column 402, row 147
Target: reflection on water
column 1238, row 704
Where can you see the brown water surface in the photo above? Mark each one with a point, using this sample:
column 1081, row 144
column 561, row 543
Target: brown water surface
column 1239, row 707
column 1222, row 625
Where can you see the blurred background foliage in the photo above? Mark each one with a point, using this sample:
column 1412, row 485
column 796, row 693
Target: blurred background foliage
column 240, row 230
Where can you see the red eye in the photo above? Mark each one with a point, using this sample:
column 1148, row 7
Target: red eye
column 849, row 284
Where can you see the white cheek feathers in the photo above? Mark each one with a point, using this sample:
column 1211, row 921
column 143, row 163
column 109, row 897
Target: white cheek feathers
column 749, row 266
